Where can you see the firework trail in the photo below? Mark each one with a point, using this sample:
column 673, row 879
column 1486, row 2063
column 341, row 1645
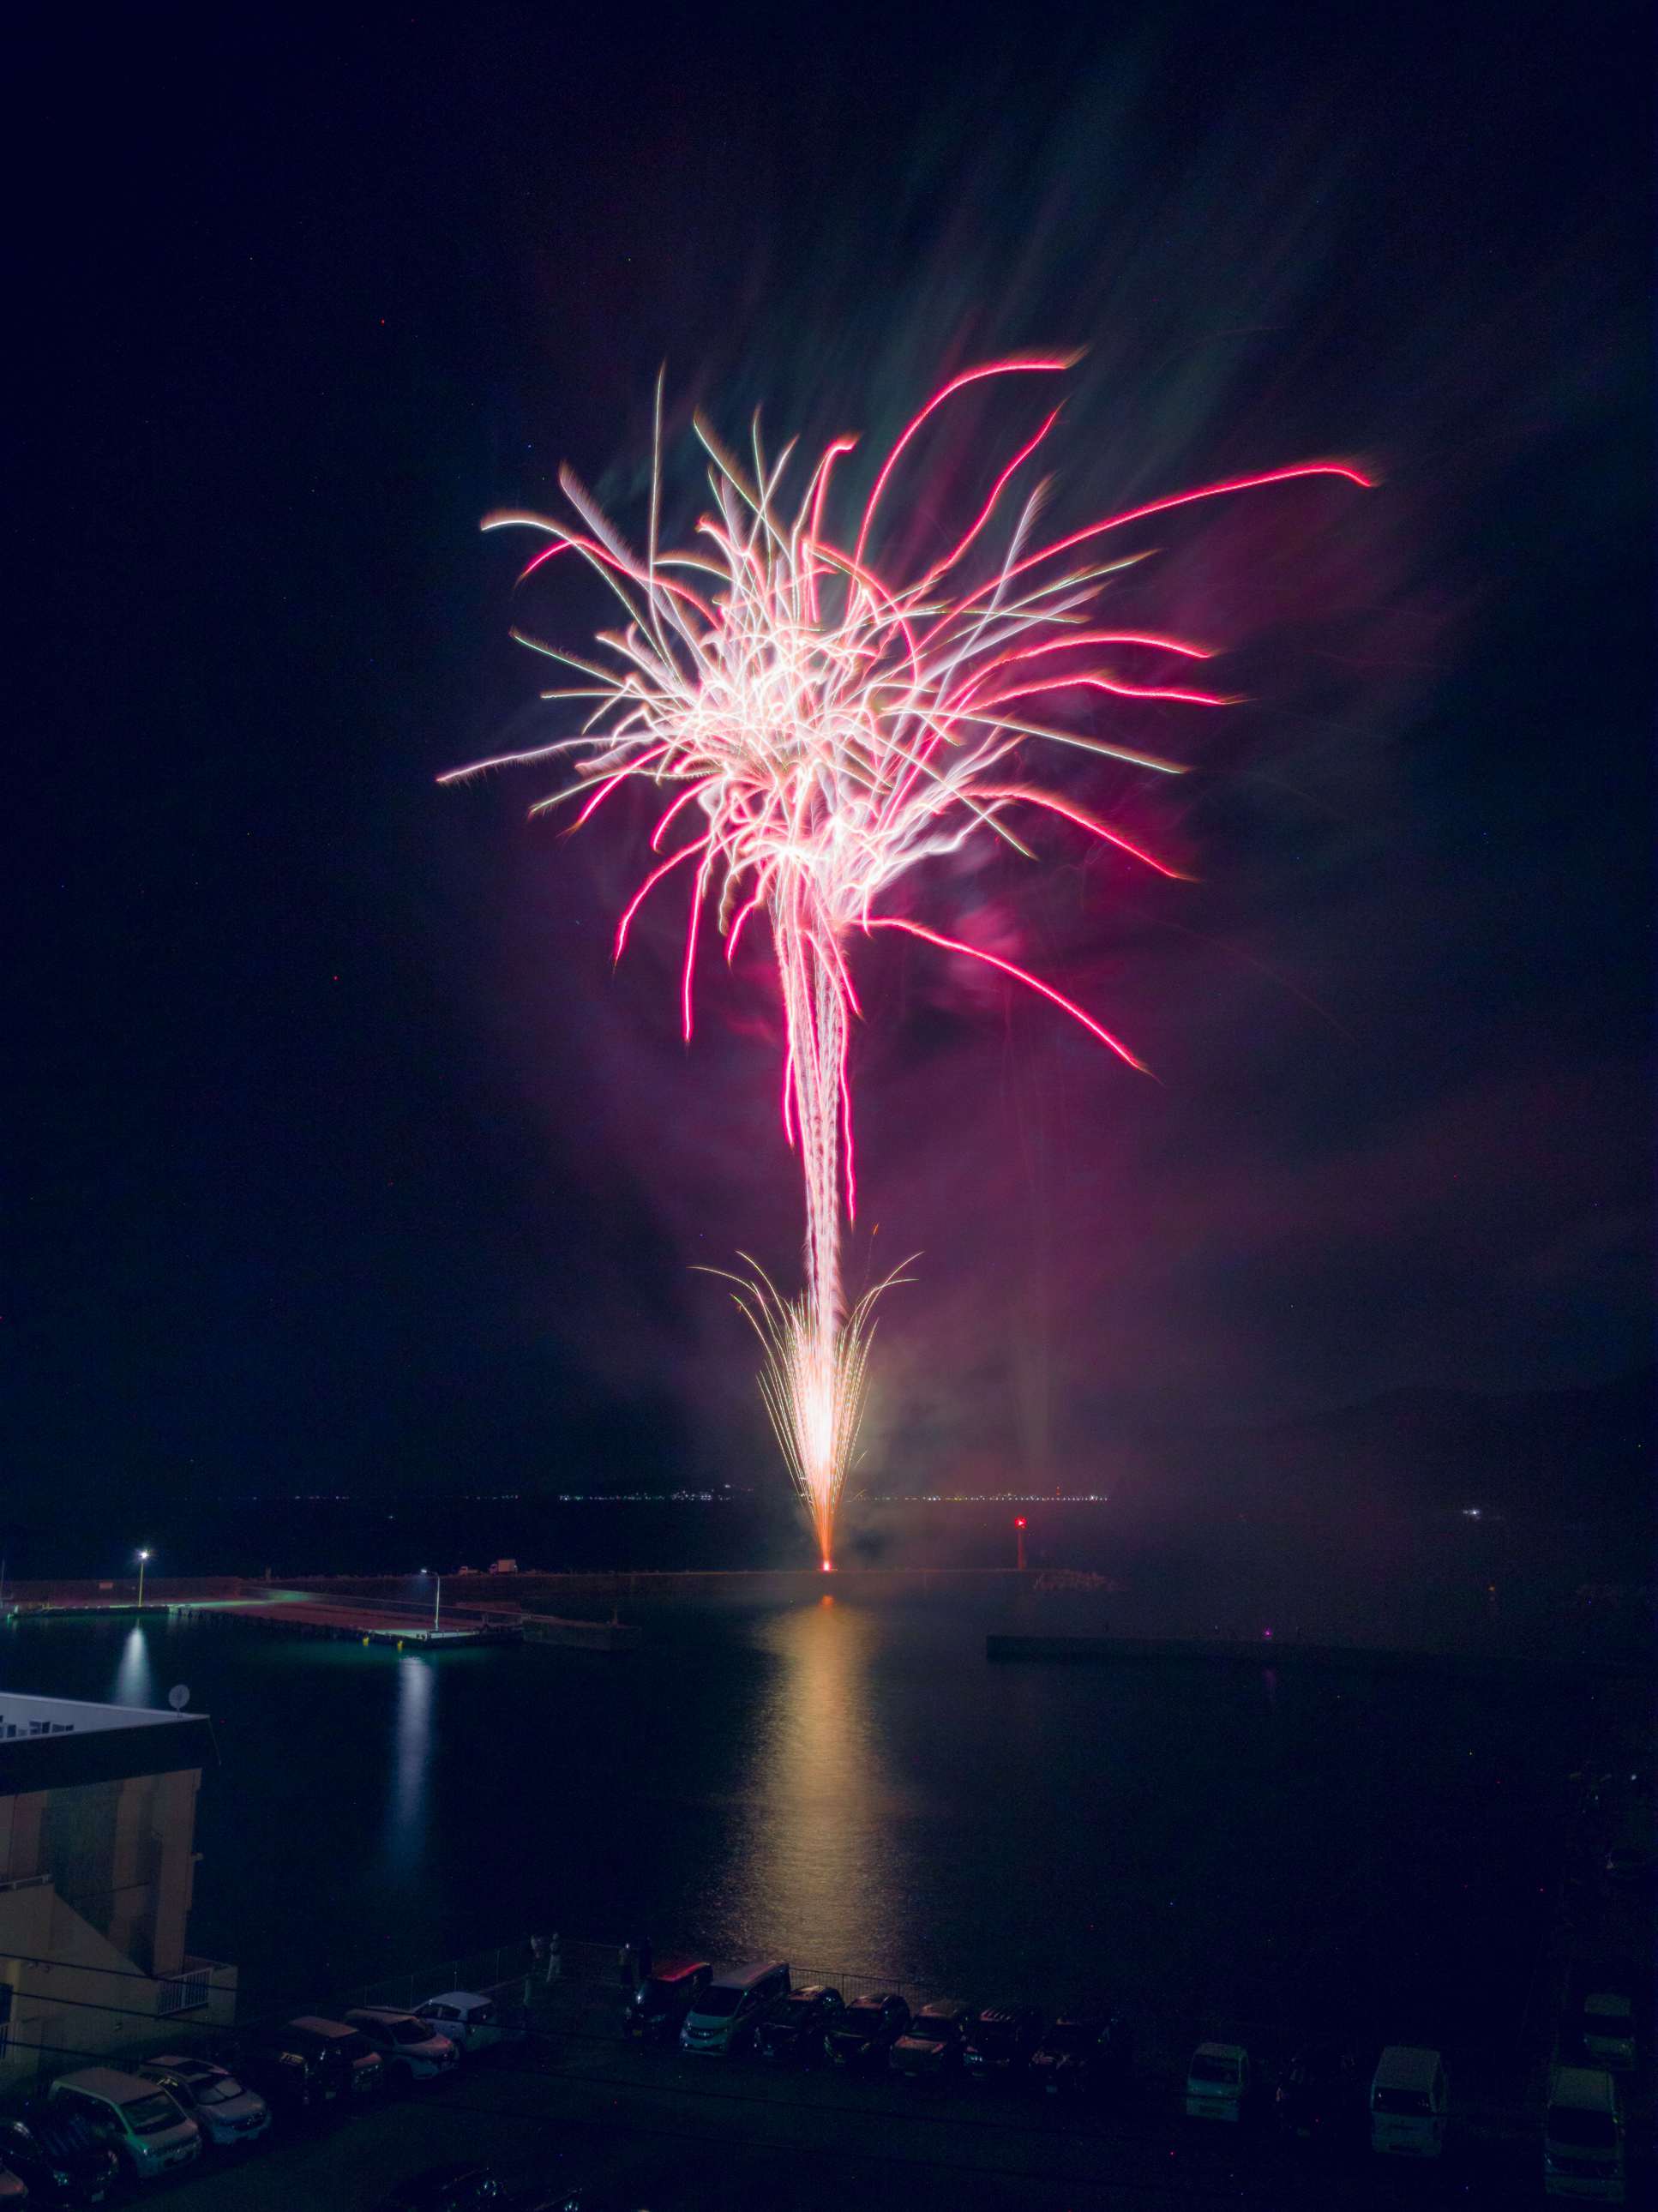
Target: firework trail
column 817, row 729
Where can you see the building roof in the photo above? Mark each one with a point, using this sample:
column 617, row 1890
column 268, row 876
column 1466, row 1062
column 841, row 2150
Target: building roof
column 61, row 1743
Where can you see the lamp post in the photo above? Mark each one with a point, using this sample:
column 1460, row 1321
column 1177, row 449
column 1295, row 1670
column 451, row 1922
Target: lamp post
column 143, row 1557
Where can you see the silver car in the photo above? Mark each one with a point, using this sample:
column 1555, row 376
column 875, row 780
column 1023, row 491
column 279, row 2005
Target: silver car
column 227, row 2113
column 467, row 2017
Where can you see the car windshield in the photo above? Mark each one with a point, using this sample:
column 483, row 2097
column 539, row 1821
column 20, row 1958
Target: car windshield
column 218, row 2092
column 353, row 2046
column 1588, row 2130
column 720, row 2002
column 1411, row 2102
column 146, row 2116
column 408, row 2031
column 991, row 2034
column 1207, row 2067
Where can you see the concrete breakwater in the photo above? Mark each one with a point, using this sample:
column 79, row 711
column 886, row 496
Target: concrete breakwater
column 626, row 1588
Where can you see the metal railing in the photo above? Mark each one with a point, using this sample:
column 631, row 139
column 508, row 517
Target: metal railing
column 186, row 1992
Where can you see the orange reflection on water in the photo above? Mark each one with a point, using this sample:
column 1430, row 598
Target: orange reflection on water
column 821, row 1853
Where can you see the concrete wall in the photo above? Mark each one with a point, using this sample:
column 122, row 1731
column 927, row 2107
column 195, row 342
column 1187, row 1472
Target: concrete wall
column 95, row 1888
column 159, row 1589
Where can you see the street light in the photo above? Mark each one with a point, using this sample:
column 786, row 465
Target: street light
column 143, row 1556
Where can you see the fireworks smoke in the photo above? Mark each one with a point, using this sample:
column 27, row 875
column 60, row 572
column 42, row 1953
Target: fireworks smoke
column 819, row 729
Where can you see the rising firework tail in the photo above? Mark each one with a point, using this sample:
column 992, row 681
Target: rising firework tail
column 830, row 727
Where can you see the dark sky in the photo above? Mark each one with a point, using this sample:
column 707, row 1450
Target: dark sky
column 339, row 1154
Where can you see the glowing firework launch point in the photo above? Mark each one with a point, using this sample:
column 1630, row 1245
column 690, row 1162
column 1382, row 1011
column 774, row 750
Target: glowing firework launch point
column 831, row 728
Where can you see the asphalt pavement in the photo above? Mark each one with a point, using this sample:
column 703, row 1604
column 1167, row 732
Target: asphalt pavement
column 652, row 2129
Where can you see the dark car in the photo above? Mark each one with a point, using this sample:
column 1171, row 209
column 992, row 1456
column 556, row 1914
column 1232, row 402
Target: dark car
column 865, row 2032
column 466, row 2187
column 999, row 2041
column 1082, row 2054
column 935, row 2042
column 793, row 2033
column 654, row 2011
column 1321, row 2098
column 310, row 2062
column 56, row 2154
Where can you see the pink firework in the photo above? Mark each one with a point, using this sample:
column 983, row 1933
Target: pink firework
column 817, row 728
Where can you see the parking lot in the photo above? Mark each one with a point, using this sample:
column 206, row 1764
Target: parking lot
column 648, row 2128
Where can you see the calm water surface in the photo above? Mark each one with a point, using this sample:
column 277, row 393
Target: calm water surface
column 853, row 1786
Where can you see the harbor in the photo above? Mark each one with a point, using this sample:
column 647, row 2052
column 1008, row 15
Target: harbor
column 399, row 1623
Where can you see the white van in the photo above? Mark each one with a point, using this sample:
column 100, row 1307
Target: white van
column 1408, row 2099
column 725, row 2014
column 1218, row 2082
column 1583, row 2135
column 137, row 2119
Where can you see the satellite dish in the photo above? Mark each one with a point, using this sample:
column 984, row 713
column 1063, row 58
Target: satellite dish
column 178, row 1696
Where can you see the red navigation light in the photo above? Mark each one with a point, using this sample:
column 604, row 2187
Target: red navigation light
column 1019, row 1523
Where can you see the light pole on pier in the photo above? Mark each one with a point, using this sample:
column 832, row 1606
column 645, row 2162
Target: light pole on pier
column 143, row 1557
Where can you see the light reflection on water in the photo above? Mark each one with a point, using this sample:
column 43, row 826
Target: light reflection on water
column 135, row 1682
column 408, row 1806
column 820, row 1800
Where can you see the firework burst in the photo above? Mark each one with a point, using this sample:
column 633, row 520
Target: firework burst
column 816, row 729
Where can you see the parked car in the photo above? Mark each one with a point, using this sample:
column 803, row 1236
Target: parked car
column 13, row 2190
column 934, row 2043
column 1218, row 2082
column 1320, row 2097
column 227, row 2113
column 861, row 2040
column 656, row 2010
column 288, row 2069
column 470, row 2021
column 350, row 2062
column 1081, row 2054
column 58, row 2155
column 999, row 2042
column 1409, row 2100
column 466, row 2187
column 309, row 2062
column 728, row 2010
column 1605, row 2026
column 1583, row 2135
column 409, row 2046
column 793, row 2033
column 138, row 2121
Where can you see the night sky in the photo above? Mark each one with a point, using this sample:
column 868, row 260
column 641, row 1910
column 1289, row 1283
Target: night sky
column 339, row 1155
